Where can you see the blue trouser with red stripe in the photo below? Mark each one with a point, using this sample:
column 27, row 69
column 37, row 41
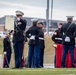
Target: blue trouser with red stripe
column 18, row 54
column 67, row 48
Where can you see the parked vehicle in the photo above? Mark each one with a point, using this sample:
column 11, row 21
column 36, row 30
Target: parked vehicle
column 50, row 33
column 2, row 34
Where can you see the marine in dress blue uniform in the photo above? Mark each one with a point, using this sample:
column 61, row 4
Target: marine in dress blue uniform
column 18, row 38
column 41, row 44
column 68, row 31
column 33, row 33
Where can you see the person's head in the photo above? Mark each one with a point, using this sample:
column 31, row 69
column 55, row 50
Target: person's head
column 69, row 19
column 40, row 24
column 19, row 14
column 34, row 22
column 59, row 25
column 8, row 33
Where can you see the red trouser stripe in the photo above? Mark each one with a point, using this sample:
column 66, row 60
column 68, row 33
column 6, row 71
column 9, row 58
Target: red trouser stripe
column 23, row 56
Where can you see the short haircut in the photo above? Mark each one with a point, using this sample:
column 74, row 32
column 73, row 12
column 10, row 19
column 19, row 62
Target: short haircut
column 40, row 23
column 34, row 23
column 60, row 23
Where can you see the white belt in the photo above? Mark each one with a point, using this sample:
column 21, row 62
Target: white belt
column 58, row 38
column 41, row 38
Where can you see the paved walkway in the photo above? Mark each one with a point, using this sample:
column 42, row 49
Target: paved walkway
column 48, row 65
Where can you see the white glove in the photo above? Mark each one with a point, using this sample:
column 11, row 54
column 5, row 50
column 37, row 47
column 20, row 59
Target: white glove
column 55, row 45
column 32, row 37
column 5, row 53
column 29, row 34
column 18, row 19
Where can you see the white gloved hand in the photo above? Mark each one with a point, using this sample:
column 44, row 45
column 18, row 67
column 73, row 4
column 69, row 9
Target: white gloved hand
column 67, row 39
column 32, row 37
column 5, row 53
column 18, row 19
column 29, row 34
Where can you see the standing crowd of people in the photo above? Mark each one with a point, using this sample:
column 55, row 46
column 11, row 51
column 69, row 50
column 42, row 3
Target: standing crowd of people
column 36, row 43
column 65, row 35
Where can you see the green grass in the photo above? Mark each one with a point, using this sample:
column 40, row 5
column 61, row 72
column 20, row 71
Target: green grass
column 38, row 71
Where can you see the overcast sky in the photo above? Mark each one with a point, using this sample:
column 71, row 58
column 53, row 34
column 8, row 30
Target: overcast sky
column 37, row 8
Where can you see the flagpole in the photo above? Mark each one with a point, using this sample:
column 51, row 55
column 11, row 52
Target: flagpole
column 47, row 17
column 51, row 11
